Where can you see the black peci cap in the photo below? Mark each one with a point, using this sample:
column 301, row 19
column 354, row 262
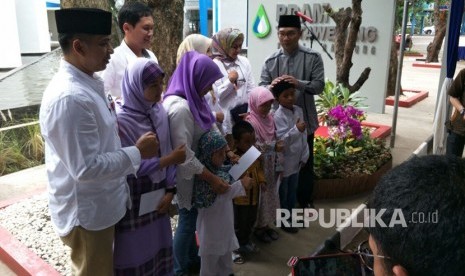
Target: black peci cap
column 289, row 21
column 83, row 21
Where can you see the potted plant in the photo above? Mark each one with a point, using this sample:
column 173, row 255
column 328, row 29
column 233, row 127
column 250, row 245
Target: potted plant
column 348, row 160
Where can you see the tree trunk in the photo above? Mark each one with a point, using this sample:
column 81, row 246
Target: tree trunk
column 345, row 44
column 168, row 15
column 104, row 5
column 393, row 64
column 440, row 21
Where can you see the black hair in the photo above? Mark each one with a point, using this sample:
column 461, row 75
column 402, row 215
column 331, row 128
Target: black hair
column 435, row 187
column 280, row 87
column 240, row 128
column 132, row 12
column 65, row 40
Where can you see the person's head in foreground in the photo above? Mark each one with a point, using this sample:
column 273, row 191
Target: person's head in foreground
column 430, row 192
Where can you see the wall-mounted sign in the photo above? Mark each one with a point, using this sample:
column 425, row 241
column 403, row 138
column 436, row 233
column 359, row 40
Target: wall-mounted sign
column 261, row 25
column 373, row 46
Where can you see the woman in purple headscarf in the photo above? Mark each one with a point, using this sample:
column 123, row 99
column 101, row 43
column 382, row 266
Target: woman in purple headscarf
column 143, row 242
column 190, row 117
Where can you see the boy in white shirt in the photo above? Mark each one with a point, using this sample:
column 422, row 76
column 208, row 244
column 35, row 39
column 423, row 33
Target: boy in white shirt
column 290, row 127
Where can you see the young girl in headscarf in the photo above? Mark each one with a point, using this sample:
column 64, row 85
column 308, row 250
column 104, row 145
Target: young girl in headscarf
column 260, row 102
column 237, row 82
column 215, row 221
column 190, row 117
column 143, row 244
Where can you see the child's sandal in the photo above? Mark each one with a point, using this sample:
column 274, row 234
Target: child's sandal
column 272, row 233
column 262, row 236
column 237, row 258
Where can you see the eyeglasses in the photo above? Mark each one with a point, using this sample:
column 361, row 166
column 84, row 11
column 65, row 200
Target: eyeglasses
column 359, row 262
column 366, row 255
column 289, row 34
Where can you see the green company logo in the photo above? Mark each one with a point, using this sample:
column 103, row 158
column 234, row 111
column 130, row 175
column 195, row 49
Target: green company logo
column 261, row 26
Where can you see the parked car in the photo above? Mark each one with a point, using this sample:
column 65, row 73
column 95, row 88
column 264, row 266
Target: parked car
column 429, row 30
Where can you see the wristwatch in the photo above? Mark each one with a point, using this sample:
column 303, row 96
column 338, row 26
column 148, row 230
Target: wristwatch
column 172, row 190
column 462, row 111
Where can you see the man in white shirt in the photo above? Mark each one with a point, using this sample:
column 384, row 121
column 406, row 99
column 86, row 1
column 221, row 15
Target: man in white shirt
column 135, row 20
column 86, row 165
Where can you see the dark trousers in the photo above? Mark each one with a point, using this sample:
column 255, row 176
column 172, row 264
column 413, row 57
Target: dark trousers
column 244, row 220
column 306, row 178
column 455, row 144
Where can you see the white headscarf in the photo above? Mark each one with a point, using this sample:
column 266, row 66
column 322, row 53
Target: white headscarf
column 193, row 42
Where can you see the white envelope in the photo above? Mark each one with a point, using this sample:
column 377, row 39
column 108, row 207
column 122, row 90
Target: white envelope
column 245, row 162
column 150, row 201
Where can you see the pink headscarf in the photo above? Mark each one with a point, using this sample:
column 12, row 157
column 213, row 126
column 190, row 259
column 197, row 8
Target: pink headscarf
column 263, row 125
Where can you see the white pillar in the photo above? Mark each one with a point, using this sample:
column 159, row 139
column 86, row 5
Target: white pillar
column 34, row 34
column 10, row 56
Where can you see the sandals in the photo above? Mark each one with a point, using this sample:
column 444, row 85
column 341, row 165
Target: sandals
column 272, row 233
column 251, row 248
column 262, row 235
column 237, row 258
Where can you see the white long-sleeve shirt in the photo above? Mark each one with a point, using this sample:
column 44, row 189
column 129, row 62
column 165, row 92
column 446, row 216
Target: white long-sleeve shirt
column 228, row 96
column 114, row 72
column 184, row 131
column 215, row 107
column 86, row 165
column 295, row 142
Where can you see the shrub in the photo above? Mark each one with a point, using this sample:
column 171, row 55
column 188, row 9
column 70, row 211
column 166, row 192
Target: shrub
column 348, row 150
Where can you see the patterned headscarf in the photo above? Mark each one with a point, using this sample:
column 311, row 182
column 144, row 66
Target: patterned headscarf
column 193, row 42
column 222, row 42
column 264, row 125
column 193, row 75
column 203, row 196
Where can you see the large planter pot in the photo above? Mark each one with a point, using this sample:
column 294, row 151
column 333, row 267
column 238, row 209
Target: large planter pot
column 344, row 187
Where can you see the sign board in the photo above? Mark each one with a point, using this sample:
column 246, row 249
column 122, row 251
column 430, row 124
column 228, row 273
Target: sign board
column 373, row 45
